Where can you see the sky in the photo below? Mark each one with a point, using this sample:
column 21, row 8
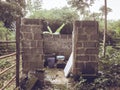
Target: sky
column 113, row 4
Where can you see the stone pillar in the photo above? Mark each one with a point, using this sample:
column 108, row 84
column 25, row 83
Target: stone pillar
column 85, row 48
column 32, row 45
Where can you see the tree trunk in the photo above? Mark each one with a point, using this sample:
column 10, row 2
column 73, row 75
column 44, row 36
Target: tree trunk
column 105, row 30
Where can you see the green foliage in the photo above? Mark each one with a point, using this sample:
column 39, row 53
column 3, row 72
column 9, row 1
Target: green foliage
column 109, row 73
column 7, row 75
column 113, row 28
column 102, row 9
column 116, row 27
column 6, row 34
column 60, row 15
column 59, row 29
column 49, row 29
column 81, row 4
column 33, row 5
column 9, row 10
column 4, row 64
column 56, row 17
column 56, row 32
column 3, row 31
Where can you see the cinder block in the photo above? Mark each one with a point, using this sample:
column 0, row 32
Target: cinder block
column 94, row 37
column 82, row 57
column 87, row 67
column 79, row 44
column 26, row 50
column 82, row 37
column 27, row 21
column 92, row 51
column 90, row 44
column 79, row 66
column 86, row 23
column 33, row 43
column 69, row 37
column 28, row 36
column 26, row 43
column 80, row 30
column 90, row 68
column 93, row 58
column 36, row 28
column 63, row 36
column 39, row 44
column 56, row 36
column 91, row 30
column 25, row 28
column 80, row 51
column 37, row 36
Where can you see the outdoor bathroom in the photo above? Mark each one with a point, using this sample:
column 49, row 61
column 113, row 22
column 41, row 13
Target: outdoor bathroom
column 59, row 45
column 45, row 51
column 55, row 56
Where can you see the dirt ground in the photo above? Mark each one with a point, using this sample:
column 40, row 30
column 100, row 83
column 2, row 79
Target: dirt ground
column 55, row 79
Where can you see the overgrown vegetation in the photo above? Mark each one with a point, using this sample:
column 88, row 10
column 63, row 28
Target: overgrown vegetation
column 50, row 31
column 56, row 17
column 64, row 14
column 108, row 75
column 6, row 35
column 9, row 10
column 4, row 64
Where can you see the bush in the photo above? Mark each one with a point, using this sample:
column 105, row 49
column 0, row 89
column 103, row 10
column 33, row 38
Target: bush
column 108, row 75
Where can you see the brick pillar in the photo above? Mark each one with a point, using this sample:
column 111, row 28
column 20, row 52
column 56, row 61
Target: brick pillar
column 85, row 48
column 32, row 45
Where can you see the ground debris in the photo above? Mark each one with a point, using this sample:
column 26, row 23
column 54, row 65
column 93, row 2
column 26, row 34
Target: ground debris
column 55, row 79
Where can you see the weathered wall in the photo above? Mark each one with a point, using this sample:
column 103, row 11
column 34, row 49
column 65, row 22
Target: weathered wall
column 59, row 44
column 32, row 45
column 85, row 47
column 84, row 44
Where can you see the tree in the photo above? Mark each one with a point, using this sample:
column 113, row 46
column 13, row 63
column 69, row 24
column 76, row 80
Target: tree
column 56, row 17
column 64, row 14
column 10, row 9
column 102, row 11
column 81, row 5
column 95, row 16
column 33, row 6
column 116, row 27
column 5, row 34
column 105, row 10
column 37, row 5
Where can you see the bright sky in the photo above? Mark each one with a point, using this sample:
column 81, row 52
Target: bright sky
column 48, row 4
column 113, row 4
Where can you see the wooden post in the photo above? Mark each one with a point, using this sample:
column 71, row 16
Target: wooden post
column 18, row 23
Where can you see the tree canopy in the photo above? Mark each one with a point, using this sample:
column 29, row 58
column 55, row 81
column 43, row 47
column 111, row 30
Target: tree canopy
column 81, row 5
column 64, row 14
column 32, row 6
column 10, row 9
column 56, row 17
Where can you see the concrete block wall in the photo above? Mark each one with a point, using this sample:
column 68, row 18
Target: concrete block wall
column 84, row 43
column 85, row 48
column 32, row 45
column 59, row 44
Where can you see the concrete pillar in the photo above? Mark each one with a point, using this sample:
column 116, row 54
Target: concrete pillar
column 85, row 48
column 32, row 45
